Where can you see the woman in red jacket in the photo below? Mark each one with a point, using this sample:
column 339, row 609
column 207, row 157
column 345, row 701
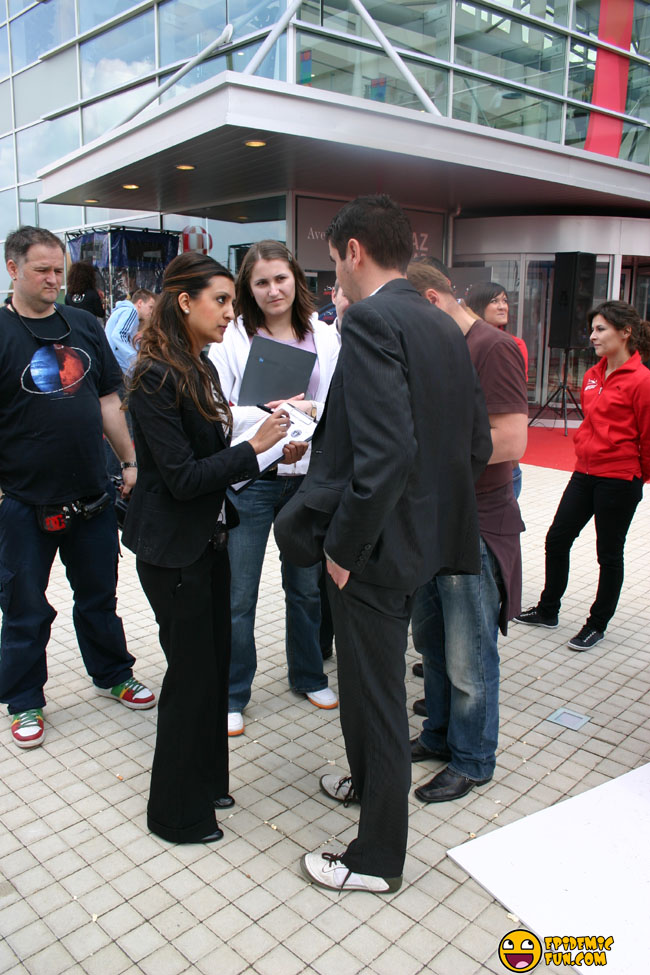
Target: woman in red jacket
column 613, row 461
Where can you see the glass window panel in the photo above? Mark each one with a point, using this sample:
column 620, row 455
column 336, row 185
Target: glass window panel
column 55, row 216
column 5, row 107
column 635, row 139
column 27, row 203
column 638, row 91
column 417, row 26
column 502, row 108
column 310, row 12
column 641, row 27
column 273, row 66
column 41, row 144
column 247, row 16
column 587, row 20
column 582, row 68
column 45, row 87
column 577, row 122
column 98, row 118
column 39, row 30
column 15, row 6
column 351, row 70
column 118, row 56
column 187, row 26
column 8, row 221
column 4, row 52
column 635, row 144
column 7, row 161
column 553, row 11
column 93, row 12
column 509, row 48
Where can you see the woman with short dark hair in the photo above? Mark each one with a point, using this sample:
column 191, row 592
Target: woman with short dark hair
column 612, row 448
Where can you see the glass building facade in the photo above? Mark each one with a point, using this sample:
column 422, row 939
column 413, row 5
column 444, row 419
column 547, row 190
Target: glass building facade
column 574, row 74
column 570, row 72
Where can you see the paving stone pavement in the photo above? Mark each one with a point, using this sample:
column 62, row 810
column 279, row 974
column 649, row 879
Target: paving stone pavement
column 85, row 889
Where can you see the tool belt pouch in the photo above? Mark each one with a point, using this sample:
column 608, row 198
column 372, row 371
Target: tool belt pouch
column 54, row 519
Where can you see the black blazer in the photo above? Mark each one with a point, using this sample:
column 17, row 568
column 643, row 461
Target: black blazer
column 184, row 468
column 390, row 489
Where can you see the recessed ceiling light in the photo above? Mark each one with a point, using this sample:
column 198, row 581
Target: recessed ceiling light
column 130, row 186
column 242, row 219
column 185, row 167
column 255, row 143
column 91, row 201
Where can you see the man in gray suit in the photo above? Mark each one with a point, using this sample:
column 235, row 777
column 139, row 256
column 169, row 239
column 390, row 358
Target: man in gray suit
column 389, row 498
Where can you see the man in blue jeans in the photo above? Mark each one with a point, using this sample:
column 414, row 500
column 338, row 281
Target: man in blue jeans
column 456, row 618
column 58, row 394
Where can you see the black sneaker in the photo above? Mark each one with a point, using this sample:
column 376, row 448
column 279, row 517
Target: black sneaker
column 533, row 617
column 586, row 638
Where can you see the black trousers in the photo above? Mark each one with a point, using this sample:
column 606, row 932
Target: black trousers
column 612, row 502
column 190, row 764
column 371, row 627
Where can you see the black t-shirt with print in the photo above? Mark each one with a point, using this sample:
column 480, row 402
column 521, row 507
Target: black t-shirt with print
column 51, row 446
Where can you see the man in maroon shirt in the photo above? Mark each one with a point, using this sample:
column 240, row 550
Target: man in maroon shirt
column 456, row 618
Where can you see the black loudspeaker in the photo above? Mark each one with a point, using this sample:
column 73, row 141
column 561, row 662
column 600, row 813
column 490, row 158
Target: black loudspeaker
column 573, row 296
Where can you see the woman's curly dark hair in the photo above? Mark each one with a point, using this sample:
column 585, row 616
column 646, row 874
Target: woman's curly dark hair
column 167, row 341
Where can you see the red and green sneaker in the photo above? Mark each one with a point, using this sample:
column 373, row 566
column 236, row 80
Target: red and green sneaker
column 28, row 728
column 132, row 694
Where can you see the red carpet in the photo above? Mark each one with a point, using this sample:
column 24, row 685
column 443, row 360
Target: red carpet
column 548, row 447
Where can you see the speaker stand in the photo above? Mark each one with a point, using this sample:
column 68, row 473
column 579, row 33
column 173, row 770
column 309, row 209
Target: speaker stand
column 562, row 393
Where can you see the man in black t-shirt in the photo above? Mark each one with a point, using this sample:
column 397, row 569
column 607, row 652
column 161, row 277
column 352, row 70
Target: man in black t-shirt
column 58, row 395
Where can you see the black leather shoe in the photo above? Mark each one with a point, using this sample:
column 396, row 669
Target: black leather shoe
column 420, row 707
column 447, row 785
column 326, row 652
column 418, row 670
column 225, row 802
column 213, row 837
column 420, row 754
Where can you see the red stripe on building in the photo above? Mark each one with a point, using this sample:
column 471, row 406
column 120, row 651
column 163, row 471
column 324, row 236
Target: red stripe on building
column 610, row 81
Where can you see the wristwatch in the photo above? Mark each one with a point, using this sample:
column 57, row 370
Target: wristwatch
column 128, row 463
column 313, row 412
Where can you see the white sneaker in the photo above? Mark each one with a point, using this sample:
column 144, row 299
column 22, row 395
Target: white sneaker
column 325, row 699
column 326, row 870
column 235, row 724
column 338, row 787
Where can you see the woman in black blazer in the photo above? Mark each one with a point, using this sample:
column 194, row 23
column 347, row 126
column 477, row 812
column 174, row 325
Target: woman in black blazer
column 177, row 525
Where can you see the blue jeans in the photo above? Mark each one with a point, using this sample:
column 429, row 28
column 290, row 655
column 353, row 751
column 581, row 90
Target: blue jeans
column 257, row 506
column 89, row 552
column 455, row 625
column 516, row 481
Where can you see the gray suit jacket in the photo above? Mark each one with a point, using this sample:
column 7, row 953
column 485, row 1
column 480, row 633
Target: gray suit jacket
column 390, row 489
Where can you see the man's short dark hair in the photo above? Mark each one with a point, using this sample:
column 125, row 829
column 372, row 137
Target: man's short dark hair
column 142, row 294
column 380, row 225
column 18, row 243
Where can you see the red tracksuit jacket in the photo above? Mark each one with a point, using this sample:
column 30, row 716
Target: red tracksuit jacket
column 613, row 440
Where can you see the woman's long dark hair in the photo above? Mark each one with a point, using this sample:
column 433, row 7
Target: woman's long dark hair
column 620, row 315
column 81, row 278
column 247, row 307
column 167, row 341
column 481, row 294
